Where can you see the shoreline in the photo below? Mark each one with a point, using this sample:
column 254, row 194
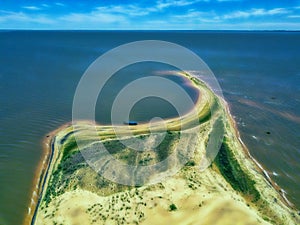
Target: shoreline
column 47, row 140
column 41, row 177
column 44, row 163
column 40, row 172
column 259, row 166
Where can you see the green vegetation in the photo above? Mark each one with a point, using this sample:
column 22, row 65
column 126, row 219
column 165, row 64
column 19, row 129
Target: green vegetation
column 113, row 146
column 206, row 114
column 68, row 146
column 190, row 163
column 172, row 207
column 71, row 161
column 233, row 173
column 129, row 205
column 205, row 118
column 72, row 170
column 165, row 147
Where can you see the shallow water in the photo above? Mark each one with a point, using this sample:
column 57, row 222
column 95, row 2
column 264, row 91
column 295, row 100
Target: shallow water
column 259, row 73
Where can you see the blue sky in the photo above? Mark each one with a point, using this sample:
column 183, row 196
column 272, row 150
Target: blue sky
column 157, row 14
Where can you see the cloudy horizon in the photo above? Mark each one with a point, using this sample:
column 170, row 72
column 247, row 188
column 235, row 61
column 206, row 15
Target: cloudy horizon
column 151, row 15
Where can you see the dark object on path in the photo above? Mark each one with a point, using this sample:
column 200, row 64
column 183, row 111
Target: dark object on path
column 131, row 123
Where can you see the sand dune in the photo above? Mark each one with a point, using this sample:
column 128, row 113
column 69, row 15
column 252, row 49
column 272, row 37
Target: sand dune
column 233, row 190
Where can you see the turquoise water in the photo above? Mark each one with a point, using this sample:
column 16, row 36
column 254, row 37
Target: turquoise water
column 259, row 73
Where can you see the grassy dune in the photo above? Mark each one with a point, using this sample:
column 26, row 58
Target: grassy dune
column 233, row 190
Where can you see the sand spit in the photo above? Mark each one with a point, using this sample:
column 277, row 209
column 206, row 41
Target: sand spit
column 235, row 189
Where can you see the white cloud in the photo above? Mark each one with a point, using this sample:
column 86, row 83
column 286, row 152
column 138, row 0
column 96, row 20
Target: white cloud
column 277, row 11
column 130, row 10
column 93, row 17
column 180, row 24
column 166, row 4
column 294, row 16
column 230, row 0
column 45, row 5
column 9, row 16
column 176, row 3
column 31, row 7
column 193, row 16
column 158, row 16
column 59, row 4
column 256, row 12
column 126, row 14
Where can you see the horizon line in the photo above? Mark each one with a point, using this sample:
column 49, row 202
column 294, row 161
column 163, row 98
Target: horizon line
column 33, row 29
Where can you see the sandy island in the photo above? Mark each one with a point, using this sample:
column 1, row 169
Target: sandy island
column 233, row 190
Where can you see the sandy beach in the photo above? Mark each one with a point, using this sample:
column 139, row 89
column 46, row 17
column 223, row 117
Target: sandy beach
column 206, row 197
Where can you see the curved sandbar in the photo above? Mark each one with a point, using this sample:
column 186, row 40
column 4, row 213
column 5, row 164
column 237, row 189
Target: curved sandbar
column 234, row 190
